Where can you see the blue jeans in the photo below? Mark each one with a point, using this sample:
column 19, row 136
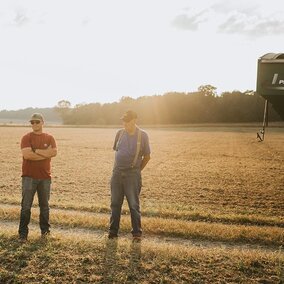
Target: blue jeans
column 29, row 187
column 125, row 183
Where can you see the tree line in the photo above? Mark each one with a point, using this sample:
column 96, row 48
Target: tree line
column 202, row 106
column 23, row 115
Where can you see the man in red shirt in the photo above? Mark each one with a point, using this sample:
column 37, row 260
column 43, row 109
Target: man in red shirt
column 37, row 149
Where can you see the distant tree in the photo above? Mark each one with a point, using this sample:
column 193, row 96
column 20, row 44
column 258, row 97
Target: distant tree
column 63, row 108
column 50, row 115
column 208, row 90
column 126, row 99
column 63, row 104
column 249, row 92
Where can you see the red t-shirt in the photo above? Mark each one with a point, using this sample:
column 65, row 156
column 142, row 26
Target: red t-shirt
column 37, row 169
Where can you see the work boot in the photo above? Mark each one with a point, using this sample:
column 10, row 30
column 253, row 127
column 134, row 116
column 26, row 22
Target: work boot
column 137, row 239
column 112, row 236
column 45, row 235
column 23, row 239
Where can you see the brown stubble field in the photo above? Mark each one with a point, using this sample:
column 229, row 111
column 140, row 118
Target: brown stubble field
column 203, row 170
column 203, row 184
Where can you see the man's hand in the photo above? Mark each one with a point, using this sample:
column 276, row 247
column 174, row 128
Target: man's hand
column 29, row 154
column 46, row 153
column 145, row 160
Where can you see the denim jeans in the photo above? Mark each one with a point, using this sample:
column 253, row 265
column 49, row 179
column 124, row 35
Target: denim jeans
column 29, row 187
column 125, row 183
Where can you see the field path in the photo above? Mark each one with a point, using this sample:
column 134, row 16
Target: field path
column 97, row 234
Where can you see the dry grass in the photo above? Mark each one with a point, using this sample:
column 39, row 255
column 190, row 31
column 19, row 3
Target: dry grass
column 213, row 184
column 77, row 259
column 264, row 235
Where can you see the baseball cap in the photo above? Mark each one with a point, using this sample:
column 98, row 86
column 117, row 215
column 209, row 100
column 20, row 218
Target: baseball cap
column 36, row 116
column 129, row 115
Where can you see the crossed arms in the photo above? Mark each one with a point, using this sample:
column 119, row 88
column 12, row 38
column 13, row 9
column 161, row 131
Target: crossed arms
column 38, row 154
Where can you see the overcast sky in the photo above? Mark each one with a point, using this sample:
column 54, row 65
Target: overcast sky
column 100, row 50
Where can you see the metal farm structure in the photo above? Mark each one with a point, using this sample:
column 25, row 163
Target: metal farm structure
column 270, row 85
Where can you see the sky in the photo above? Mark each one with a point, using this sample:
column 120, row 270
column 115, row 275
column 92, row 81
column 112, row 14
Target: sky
column 88, row 51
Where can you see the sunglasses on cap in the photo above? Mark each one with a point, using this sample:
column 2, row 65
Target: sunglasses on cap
column 35, row 122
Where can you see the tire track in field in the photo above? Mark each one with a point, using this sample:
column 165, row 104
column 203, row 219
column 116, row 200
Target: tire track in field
column 99, row 234
column 188, row 218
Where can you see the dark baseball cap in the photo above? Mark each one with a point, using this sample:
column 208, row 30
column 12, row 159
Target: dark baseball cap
column 37, row 116
column 129, row 115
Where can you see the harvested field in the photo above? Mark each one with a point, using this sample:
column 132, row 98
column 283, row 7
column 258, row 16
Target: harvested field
column 215, row 186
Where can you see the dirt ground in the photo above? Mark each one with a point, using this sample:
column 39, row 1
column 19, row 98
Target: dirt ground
column 203, row 178
column 221, row 170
